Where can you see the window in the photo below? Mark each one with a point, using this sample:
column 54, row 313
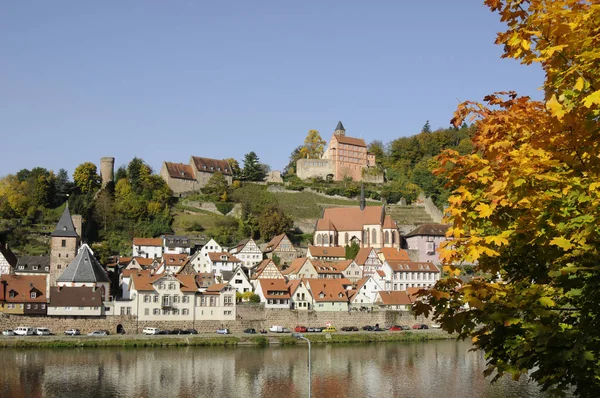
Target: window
column 147, row 298
column 212, row 301
column 122, row 310
column 185, row 311
column 175, row 299
column 21, row 267
column 63, row 243
column 59, row 266
column 35, row 306
column 166, row 301
column 430, row 248
column 227, row 312
column 155, row 298
column 128, row 310
column 67, row 308
column 186, row 299
column 165, row 311
column 238, row 281
column 33, row 295
column 81, row 308
column 12, row 294
column 156, row 311
column 28, row 306
column 175, row 311
column 147, row 311
column 43, row 306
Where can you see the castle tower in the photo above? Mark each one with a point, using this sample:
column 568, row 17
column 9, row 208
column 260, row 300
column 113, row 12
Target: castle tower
column 63, row 245
column 340, row 130
column 107, row 170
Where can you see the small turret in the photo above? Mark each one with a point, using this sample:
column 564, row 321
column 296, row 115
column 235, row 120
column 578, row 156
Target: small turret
column 339, row 129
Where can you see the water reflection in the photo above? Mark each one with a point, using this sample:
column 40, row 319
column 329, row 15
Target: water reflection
column 442, row 368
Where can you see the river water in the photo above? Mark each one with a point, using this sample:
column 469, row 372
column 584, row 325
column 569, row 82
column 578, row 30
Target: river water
column 443, row 369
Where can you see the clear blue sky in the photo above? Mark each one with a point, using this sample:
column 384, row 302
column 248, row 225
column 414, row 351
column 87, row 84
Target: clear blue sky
column 163, row 80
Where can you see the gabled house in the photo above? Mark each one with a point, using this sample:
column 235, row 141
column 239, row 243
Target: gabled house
column 393, row 300
column 161, row 297
column 147, row 247
column 239, row 281
column 200, row 260
column 23, row 294
column 183, row 178
column 216, row 303
column 364, row 293
column 301, row 267
column 274, row 293
column 34, row 265
column 223, row 261
column 326, row 253
column 8, row 260
column 327, row 270
column 300, row 296
column 350, row 270
column 425, row 240
column 266, row 270
column 368, row 260
column 282, row 247
column 248, row 252
column 204, row 280
column 172, row 263
column 405, row 274
column 143, row 263
column 86, row 271
column 175, row 244
column 328, row 294
column 76, row 301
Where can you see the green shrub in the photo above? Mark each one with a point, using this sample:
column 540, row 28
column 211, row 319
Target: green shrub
column 224, row 207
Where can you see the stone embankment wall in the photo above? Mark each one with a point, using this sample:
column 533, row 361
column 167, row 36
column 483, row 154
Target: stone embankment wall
column 248, row 317
column 431, row 209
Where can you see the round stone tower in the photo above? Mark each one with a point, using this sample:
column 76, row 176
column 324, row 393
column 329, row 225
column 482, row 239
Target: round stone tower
column 107, row 170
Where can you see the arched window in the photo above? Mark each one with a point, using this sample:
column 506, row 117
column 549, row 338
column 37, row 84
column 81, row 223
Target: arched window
column 319, row 240
column 387, row 237
column 346, row 238
column 393, row 237
column 367, row 242
column 326, row 241
column 374, row 237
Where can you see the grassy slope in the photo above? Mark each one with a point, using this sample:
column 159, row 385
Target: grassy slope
column 304, row 205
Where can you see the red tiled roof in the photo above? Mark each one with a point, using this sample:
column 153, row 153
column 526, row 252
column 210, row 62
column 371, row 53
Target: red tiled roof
column 180, row 170
column 229, row 258
column 274, row 285
column 147, row 241
column 328, row 290
column 349, row 218
column 295, row 266
column 143, row 261
column 174, row 259
column 391, row 253
column 207, row 165
column 394, row 297
column 81, row 296
column 273, row 243
column 322, row 251
column 362, row 255
column 412, row 266
column 22, row 286
column 342, row 139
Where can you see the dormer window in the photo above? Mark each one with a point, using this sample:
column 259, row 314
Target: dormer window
column 33, row 295
column 65, row 228
column 12, row 294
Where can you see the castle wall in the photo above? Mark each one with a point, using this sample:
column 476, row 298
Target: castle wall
column 179, row 185
column 310, row 168
column 107, row 170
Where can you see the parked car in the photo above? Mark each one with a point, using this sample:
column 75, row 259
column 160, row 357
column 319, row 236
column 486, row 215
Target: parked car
column 314, row 329
column 300, row 329
column 189, row 331
column 23, row 331
column 8, row 332
column 376, row 328
column 175, row 331
column 72, row 332
column 42, row 331
column 250, row 331
column 151, row 331
column 396, row 328
column 330, row 329
column 98, row 333
column 223, row 331
column 286, row 330
column 405, row 327
column 276, row 329
column 367, row 328
column 436, row 326
column 350, row 329
column 420, row 326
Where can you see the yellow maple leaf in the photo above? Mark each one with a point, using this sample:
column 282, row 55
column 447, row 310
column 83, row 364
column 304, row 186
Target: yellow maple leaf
column 484, row 210
column 593, row 98
column 579, row 84
column 561, row 242
column 555, row 107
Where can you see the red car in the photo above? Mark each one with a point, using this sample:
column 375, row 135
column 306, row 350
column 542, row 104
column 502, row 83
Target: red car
column 396, row 328
column 420, row 326
column 300, row 329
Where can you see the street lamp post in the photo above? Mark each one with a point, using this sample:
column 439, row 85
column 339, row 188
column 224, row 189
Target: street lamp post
column 301, row 337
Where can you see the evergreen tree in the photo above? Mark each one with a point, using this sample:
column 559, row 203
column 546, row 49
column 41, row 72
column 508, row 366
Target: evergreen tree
column 253, row 171
column 426, row 128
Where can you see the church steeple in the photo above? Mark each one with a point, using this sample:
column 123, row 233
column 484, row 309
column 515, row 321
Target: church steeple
column 339, row 129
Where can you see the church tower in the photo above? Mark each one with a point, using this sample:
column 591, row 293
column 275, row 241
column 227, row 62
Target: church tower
column 63, row 245
column 340, row 130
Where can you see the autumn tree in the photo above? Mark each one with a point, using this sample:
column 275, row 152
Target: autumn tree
column 313, row 146
column 216, row 187
column 525, row 208
column 273, row 221
column 236, row 172
column 86, row 177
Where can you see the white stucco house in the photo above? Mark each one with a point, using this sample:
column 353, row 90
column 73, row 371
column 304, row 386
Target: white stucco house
column 426, row 240
column 248, row 252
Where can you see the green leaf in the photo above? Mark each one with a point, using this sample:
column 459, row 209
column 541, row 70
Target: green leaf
column 547, row 302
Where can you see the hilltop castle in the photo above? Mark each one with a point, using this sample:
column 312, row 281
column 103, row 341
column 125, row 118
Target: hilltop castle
column 344, row 157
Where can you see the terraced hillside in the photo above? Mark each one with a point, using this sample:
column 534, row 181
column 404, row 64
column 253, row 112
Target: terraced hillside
column 408, row 215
